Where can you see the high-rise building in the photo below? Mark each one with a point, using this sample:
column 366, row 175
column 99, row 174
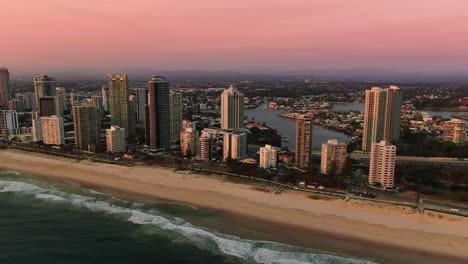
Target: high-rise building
column 158, row 135
column 189, row 142
column 44, row 86
column 232, row 109
column 455, row 131
column 104, row 99
column 333, row 155
column 142, row 99
column 52, row 130
column 382, row 116
column 62, row 97
column 268, row 157
column 176, row 115
column 115, row 140
column 17, row 105
column 205, row 147
column 132, row 106
column 235, row 145
column 4, row 86
column 303, row 142
column 87, row 124
column 382, row 164
column 49, row 106
column 118, row 97
column 37, row 129
column 29, row 101
column 187, row 124
column 9, row 123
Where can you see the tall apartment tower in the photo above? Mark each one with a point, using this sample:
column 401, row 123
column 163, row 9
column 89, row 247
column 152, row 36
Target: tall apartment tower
column 49, row 106
column 303, row 142
column 52, row 130
column 44, row 85
column 30, row 101
column 268, row 157
column 9, row 123
column 16, row 104
column 118, row 96
column 158, row 134
column 333, row 154
column 232, row 109
column 455, row 131
column 115, row 140
column 4, row 86
column 382, row 115
column 87, row 123
column 189, row 142
column 132, row 115
column 104, row 99
column 62, row 96
column 142, row 99
column 176, row 115
column 235, row 146
column 205, row 145
column 382, row 164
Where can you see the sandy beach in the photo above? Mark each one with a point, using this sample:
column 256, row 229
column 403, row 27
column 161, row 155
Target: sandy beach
column 431, row 234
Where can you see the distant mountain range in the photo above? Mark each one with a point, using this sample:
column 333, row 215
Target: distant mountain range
column 315, row 75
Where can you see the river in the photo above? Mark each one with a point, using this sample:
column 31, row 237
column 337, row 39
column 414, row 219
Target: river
column 287, row 127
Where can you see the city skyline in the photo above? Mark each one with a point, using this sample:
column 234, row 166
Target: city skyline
column 273, row 36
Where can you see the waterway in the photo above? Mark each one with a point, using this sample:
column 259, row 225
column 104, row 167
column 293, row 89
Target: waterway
column 287, row 127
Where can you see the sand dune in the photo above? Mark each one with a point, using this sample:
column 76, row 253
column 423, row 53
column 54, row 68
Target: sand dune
column 392, row 225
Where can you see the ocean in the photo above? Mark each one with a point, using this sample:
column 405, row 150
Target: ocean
column 55, row 222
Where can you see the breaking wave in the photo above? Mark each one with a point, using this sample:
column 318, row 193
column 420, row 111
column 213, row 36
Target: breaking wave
column 244, row 249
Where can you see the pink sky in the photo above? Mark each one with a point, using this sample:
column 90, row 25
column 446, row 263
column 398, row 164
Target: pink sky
column 245, row 35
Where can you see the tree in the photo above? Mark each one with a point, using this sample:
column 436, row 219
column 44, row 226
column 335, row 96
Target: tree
column 347, row 167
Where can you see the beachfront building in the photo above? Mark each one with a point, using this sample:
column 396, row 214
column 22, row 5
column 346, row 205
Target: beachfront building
column 141, row 100
column 37, row 130
column 104, row 99
column 189, row 142
column 382, row 116
column 4, row 86
column 232, row 109
column 44, row 85
column 49, row 106
column 268, row 157
column 158, row 131
column 176, row 115
column 303, row 142
column 235, row 145
column 206, row 143
column 115, row 140
column 333, row 156
column 132, row 115
column 87, row 124
column 9, row 123
column 52, row 130
column 119, row 105
column 29, row 100
column 382, row 164
column 455, row 131
column 62, row 96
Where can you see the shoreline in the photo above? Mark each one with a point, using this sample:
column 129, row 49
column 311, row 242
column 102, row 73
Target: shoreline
column 389, row 226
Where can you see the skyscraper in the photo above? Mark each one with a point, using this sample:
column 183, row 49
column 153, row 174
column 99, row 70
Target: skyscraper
column 158, row 115
column 382, row 164
column 189, row 142
column 30, row 101
column 142, row 98
column 382, row 116
column 303, row 142
column 176, row 115
column 49, row 106
column 44, row 86
column 87, row 124
column 115, row 140
column 268, row 157
column 205, row 146
column 333, row 154
column 52, row 130
column 118, row 95
column 232, row 109
column 4, row 86
column 132, row 105
column 96, row 101
column 16, row 104
column 62, row 96
column 9, row 123
column 104, row 99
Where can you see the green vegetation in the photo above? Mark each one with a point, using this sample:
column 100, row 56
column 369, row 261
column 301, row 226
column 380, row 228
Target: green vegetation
column 259, row 136
column 423, row 144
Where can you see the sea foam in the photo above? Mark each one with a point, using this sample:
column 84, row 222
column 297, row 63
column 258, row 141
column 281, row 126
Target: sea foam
column 245, row 249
